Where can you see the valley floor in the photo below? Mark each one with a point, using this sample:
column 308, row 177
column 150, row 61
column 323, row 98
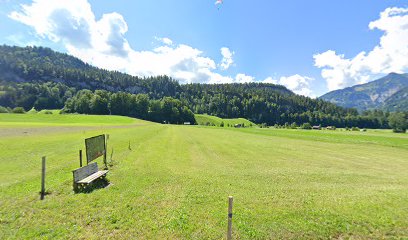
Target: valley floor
column 175, row 180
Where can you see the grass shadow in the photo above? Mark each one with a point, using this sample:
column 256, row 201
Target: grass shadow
column 95, row 185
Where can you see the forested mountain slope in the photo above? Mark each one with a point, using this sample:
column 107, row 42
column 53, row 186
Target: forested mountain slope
column 385, row 93
column 42, row 78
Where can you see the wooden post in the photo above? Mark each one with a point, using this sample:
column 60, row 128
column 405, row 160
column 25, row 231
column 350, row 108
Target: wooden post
column 229, row 233
column 80, row 158
column 104, row 153
column 43, row 179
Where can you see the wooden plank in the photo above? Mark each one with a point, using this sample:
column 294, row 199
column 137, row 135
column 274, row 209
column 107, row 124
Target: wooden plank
column 85, row 171
column 93, row 177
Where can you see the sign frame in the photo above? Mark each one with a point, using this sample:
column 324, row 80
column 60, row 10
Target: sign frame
column 90, row 144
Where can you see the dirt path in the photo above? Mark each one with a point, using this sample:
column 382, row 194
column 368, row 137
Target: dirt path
column 30, row 131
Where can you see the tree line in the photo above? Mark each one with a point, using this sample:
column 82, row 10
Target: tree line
column 41, row 78
column 102, row 102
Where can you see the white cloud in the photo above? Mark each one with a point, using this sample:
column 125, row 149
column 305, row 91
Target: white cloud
column 296, row 83
column 390, row 55
column 242, row 78
column 227, row 60
column 165, row 40
column 270, row 80
column 103, row 43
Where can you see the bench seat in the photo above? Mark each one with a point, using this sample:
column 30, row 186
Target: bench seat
column 86, row 175
column 93, row 177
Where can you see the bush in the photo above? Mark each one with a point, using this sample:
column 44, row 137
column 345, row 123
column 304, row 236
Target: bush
column 47, row 112
column 399, row 130
column 222, row 124
column 306, row 126
column 398, row 122
column 263, row 125
column 32, row 111
column 355, row 129
column 18, row 110
column 3, row 110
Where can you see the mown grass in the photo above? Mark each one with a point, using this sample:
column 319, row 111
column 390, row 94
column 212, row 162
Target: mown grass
column 175, row 180
column 64, row 119
column 204, row 119
column 50, row 111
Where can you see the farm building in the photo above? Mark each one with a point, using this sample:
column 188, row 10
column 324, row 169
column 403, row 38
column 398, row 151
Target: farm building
column 316, row 127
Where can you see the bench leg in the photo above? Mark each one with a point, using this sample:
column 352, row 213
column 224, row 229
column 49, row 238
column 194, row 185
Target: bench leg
column 75, row 185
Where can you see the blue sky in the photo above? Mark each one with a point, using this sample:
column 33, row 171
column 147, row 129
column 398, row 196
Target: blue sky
column 309, row 46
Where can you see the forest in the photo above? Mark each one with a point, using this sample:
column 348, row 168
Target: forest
column 44, row 79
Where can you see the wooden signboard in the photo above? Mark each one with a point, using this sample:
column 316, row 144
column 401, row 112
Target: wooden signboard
column 95, row 147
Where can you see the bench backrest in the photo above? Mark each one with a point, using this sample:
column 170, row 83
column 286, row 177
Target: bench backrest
column 85, row 171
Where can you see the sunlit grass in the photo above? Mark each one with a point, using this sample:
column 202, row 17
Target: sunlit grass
column 175, row 180
column 204, row 119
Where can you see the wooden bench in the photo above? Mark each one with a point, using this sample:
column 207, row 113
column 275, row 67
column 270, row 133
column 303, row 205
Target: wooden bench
column 86, row 175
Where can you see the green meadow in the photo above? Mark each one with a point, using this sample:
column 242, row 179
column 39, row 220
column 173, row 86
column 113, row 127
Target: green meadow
column 174, row 181
column 204, row 119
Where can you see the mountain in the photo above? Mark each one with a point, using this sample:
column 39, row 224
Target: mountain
column 44, row 79
column 397, row 102
column 387, row 93
column 39, row 64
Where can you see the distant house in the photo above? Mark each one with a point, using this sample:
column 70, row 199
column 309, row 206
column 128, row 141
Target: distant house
column 187, row 123
column 316, row 127
column 238, row 125
column 330, row 128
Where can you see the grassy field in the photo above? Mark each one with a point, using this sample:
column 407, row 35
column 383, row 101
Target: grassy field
column 175, row 180
column 64, row 120
column 203, row 119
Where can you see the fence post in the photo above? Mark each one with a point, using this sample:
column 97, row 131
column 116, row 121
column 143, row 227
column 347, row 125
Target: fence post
column 229, row 232
column 43, row 179
column 80, row 158
column 104, row 153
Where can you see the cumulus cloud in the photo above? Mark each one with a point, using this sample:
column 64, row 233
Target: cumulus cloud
column 166, row 41
column 227, row 60
column 102, row 42
column 242, row 78
column 73, row 23
column 390, row 55
column 296, row 83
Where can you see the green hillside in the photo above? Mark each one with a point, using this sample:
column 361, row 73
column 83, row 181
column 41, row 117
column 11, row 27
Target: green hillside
column 175, row 180
column 45, row 79
column 203, row 119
